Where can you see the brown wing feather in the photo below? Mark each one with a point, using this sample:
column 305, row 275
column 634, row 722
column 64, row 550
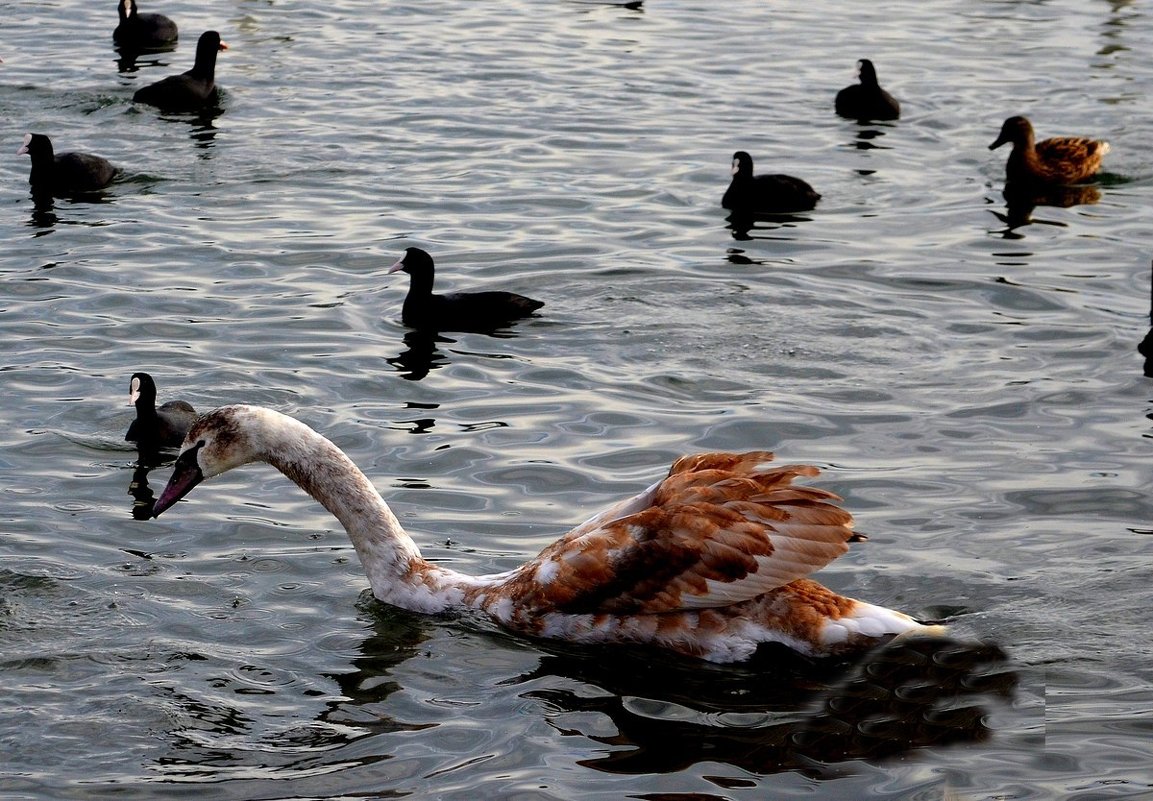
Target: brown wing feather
column 1069, row 159
column 720, row 529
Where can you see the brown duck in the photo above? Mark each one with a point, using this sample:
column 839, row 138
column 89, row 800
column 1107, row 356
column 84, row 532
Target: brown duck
column 1058, row 161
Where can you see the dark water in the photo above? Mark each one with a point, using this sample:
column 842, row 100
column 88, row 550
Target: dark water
column 970, row 385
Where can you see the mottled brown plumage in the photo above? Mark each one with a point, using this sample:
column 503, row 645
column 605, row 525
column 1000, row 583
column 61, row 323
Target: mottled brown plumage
column 720, row 528
column 1057, row 161
column 711, row 561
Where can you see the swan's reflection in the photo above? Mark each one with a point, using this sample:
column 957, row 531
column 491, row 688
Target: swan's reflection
column 397, row 636
column 215, row 733
column 779, row 713
column 908, row 694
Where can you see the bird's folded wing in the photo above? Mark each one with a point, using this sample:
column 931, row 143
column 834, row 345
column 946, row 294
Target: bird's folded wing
column 720, row 529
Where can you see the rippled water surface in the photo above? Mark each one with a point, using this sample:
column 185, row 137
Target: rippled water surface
column 968, row 380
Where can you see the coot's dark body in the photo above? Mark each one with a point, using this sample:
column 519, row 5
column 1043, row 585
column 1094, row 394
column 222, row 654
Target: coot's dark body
column 455, row 311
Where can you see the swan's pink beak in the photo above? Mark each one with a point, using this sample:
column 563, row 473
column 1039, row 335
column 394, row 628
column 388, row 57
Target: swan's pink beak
column 185, row 475
column 396, row 267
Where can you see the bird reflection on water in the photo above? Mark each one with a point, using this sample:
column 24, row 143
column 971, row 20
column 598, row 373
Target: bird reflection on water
column 778, row 713
column 421, row 355
column 909, row 694
column 1021, row 200
column 143, row 498
column 745, row 225
column 422, row 352
column 1145, row 347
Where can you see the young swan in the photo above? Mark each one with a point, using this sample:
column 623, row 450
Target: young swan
column 710, row 561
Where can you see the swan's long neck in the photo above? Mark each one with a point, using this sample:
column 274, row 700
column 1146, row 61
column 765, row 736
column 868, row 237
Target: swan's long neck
column 397, row 572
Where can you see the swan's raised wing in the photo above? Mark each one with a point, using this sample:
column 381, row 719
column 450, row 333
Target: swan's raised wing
column 719, row 529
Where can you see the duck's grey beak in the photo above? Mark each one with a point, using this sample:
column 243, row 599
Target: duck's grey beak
column 185, row 475
column 396, row 267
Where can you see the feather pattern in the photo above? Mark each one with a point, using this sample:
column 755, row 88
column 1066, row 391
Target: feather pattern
column 711, row 561
column 1061, row 160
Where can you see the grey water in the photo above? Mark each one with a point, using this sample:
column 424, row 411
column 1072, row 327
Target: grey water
column 966, row 378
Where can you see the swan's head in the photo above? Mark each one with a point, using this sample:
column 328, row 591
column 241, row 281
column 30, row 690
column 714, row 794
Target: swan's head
column 218, row 441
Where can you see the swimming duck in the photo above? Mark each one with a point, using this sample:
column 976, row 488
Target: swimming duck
column 156, row 428
column 710, row 561
column 188, row 91
column 867, row 100
column 143, row 31
column 765, row 193
column 455, row 311
column 67, row 173
column 1060, row 160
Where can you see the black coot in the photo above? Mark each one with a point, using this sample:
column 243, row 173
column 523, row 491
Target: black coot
column 867, row 100
column 192, row 90
column 138, row 31
column 67, row 173
column 455, row 311
column 155, row 428
column 749, row 193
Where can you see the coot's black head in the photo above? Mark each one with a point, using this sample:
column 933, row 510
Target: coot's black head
column 1017, row 130
column 742, row 164
column 414, row 261
column 207, row 47
column 38, row 146
column 127, row 10
column 142, row 390
column 867, row 72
